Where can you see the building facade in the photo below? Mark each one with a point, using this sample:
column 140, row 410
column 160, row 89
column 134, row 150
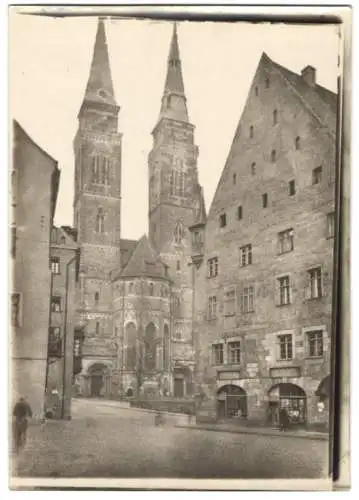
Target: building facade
column 64, row 269
column 264, row 278
column 33, row 205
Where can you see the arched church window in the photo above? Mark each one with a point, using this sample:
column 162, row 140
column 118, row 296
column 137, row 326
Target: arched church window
column 100, row 221
column 150, row 347
column 130, row 346
column 178, row 233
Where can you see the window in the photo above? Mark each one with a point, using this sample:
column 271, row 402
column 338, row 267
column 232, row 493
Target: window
column 55, row 342
column 253, row 168
column 331, row 225
column 130, row 288
column 265, row 200
column 178, row 265
column 246, row 255
column 240, row 212
column 273, row 156
column 222, row 220
column 317, row 175
column 15, row 310
column 100, row 170
column 297, row 143
column 285, row 345
column 77, row 348
column 291, row 188
column 100, row 221
column 97, row 328
column 172, row 183
column 284, row 291
column 212, row 267
column 267, row 83
column 55, row 265
column 234, row 178
column 248, row 299
column 178, row 233
column 212, row 307
column 217, row 353
column 286, row 241
column 315, row 344
column 229, row 303
column 151, row 289
column 234, row 352
column 275, row 117
column 315, row 283
column 251, row 131
column 55, row 304
column 256, row 91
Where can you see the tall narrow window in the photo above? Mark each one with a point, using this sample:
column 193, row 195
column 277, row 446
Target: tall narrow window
column 291, row 188
column 55, row 265
column 275, row 117
column 172, row 183
column 100, row 221
column 240, row 212
column 331, row 225
column 95, row 170
column 315, row 344
column 253, row 168
column 151, row 289
column 251, row 131
column 212, row 267
column 267, row 83
column 15, row 310
column 317, row 175
column 234, row 352
column 222, row 220
column 284, row 291
column 178, row 265
column 97, row 296
column 315, row 283
column 97, row 328
column 181, row 184
column 13, row 242
column 217, row 354
column 297, row 142
column 234, row 179
column 265, row 200
column 248, row 299
column 286, row 240
column 55, row 304
column 256, row 91
column 229, row 303
column 273, row 156
column 246, row 255
column 285, row 347
column 212, row 307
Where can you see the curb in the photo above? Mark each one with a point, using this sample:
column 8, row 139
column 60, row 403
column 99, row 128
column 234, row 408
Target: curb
column 321, row 437
column 143, row 410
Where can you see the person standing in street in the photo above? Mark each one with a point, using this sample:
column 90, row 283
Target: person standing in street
column 21, row 413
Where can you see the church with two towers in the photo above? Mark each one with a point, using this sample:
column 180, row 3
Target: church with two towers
column 135, row 299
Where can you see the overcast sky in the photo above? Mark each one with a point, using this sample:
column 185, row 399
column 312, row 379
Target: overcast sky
column 50, row 60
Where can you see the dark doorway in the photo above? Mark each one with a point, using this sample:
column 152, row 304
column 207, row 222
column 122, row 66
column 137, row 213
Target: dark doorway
column 232, row 402
column 290, row 397
column 129, row 393
column 178, row 387
column 96, row 385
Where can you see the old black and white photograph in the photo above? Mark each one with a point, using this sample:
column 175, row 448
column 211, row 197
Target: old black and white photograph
column 174, row 222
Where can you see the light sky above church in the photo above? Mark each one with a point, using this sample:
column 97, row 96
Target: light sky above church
column 49, row 67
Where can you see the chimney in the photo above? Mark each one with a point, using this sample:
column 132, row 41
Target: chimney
column 308, row 74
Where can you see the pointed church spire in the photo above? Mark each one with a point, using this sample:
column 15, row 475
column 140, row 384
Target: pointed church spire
column 99, row 86
column 174, row 99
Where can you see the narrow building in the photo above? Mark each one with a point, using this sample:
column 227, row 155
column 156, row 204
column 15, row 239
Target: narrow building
column 264, row 276
column 35, row 181
column 64, row 269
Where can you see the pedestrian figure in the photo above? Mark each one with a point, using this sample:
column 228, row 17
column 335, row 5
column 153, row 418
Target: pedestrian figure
column 283, row 419
column 21, row 413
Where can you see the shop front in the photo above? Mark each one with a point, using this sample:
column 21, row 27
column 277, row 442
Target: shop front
column 288, row 397
column 232, row 402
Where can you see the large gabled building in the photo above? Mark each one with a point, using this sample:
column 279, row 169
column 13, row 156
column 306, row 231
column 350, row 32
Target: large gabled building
column 264, row 276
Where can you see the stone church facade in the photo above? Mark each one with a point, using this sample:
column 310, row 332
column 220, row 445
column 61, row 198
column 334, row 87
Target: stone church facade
column 135, row 298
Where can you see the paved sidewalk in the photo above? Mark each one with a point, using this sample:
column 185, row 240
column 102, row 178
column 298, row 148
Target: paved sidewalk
column 264, row 431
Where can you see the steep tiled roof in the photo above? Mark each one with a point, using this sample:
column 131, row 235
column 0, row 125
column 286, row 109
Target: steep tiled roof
column 321, row 101
column 144, row 261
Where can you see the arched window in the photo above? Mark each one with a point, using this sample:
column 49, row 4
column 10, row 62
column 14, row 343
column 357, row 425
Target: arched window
column 275, row 117
column 178, row 233
column 273, row 155
column 297, row 142
column 150, row 347
column 166, row 347
column 130, row 347
column 100, row 221
column 251, row 131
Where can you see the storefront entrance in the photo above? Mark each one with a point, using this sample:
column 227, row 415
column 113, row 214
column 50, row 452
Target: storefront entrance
column 291, row 398
column 232, row 402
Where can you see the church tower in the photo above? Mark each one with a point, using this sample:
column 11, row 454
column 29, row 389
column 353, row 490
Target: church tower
column 173, row 199
column 97, row 216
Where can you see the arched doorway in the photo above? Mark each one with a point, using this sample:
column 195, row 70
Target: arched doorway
column 98, row 375
column 290, row 397
column 232, row 402
column 129, row 392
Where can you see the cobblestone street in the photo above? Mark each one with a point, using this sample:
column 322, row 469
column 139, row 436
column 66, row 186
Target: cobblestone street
column 106, row 440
